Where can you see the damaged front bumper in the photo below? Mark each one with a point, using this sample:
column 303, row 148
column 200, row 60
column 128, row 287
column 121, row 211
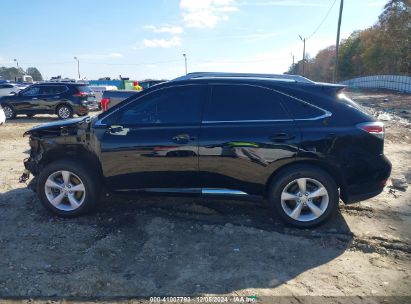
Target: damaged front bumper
column 30, row 167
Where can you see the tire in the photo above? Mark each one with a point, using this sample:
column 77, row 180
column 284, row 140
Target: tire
column 303, row 211
column 57, row 182
column 81, row 115
column 9, row 112
column 64, row 111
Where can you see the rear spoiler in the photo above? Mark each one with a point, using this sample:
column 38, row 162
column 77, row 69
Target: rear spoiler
column 331, row 88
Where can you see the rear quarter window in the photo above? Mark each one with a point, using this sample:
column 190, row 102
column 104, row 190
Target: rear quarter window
column 84, row 89
column 301, row 110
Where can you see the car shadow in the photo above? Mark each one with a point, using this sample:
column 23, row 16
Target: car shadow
column 154, row 245
column 38, row 119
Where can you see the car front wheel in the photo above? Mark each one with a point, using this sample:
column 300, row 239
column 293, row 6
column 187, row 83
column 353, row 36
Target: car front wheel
column 9, row 112
column 304, row 196
column 67, row 188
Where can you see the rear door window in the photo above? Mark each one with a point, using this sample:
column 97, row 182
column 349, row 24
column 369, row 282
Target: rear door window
column 244, row 103
column 52, row 90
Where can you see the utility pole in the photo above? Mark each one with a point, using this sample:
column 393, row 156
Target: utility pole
column 185, row 61
column 78, row 66
column 337, row 44
column 17, row 63
column 303, row 40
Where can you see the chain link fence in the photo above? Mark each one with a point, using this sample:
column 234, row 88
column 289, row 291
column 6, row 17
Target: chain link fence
column 389, row 82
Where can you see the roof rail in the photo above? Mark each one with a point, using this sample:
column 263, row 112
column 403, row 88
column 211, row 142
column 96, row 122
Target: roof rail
column 280, row 77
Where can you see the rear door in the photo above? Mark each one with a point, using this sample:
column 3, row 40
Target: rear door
column 246, row 133
column 154, row 143
column 50, row 96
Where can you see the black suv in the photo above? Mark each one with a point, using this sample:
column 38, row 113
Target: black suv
column 301, row 145
column 63, row 99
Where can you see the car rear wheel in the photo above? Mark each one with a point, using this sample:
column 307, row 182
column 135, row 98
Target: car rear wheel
column 64, row 111
column 67, row 188
column 304, row 196
column 9, row 112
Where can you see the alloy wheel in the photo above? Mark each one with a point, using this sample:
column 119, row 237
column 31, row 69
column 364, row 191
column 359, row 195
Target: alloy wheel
column 64, row 112
column 304, row 199
column 8, row 112
column 65, row 190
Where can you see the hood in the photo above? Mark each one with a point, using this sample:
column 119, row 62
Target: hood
column 59, row 125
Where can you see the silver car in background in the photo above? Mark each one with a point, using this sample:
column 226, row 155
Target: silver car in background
column 8, row 88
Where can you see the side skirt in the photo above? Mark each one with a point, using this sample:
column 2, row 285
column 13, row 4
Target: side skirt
column 196, row 192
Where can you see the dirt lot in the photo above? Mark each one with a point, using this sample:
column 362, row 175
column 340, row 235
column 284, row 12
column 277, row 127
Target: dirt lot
column 155, row 246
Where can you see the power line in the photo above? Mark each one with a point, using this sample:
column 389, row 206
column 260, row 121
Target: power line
column 321, row 23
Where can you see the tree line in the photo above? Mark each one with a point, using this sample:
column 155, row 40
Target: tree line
column 12, row 73
column 384, row 48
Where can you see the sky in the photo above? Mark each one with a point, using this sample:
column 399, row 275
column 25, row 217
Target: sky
column 147, row 39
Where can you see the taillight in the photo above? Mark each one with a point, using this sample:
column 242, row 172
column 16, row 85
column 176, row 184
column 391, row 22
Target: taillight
column 104, row 103
column 375, row 128
column 81, row 94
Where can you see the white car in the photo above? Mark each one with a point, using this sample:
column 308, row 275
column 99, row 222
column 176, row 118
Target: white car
column 2, row 116
column 8, row 88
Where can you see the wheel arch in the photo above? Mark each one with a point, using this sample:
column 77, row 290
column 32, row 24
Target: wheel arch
column 332, row 171
column 63, row 103
column 73, row 153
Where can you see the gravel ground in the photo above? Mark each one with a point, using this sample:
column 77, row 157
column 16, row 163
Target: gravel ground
column 159, row 246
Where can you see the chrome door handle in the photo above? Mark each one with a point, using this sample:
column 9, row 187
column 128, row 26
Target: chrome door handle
column 281, row 137
column 183, row 138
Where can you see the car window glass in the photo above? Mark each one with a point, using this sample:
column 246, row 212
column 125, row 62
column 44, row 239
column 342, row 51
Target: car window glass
column 301, row 110
column 242, row 102
column 52, row 90
column 31, row 91
column 167, row 106
column 84, row 89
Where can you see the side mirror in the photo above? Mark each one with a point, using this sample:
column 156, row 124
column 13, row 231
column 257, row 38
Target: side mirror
column 13, row 93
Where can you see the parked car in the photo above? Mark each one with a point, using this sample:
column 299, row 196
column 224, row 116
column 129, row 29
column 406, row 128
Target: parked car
column 63, row 99
column 299, row 144
column 112, row 98
column 7, row 88
column 99, row 90
column 2, row 116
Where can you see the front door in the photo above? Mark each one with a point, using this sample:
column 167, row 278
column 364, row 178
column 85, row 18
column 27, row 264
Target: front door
column 27, row 100
column 154, row 143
